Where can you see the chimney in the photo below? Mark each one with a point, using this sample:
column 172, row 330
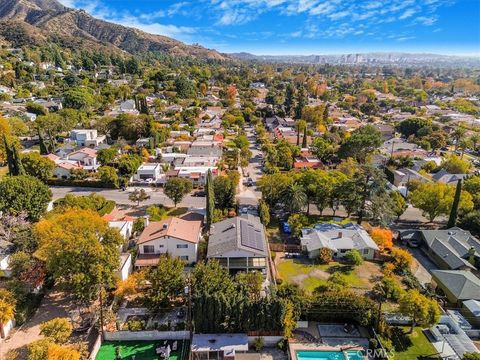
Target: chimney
column 340, row 234
column 146, row 220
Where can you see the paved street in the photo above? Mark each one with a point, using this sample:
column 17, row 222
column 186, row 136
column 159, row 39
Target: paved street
column 250, row 195
column 121, row 197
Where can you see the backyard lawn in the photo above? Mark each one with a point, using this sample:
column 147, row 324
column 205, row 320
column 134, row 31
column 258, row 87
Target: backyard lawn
column 412, row 346
column 143, row 350
column 311, row 276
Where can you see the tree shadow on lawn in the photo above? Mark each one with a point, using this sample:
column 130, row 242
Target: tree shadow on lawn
column 401, row 340
column 344, row 269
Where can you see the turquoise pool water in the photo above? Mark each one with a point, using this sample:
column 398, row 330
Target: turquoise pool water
column 329, row 355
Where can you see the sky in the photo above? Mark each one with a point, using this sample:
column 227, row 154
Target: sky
column 303, row 27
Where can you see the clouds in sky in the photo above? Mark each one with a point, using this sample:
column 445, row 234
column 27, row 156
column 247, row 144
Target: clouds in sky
column 215, row 21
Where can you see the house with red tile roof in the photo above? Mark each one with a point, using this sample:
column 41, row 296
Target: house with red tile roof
column 175, row 236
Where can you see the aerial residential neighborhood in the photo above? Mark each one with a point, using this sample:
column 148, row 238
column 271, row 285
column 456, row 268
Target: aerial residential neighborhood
column 160, row 200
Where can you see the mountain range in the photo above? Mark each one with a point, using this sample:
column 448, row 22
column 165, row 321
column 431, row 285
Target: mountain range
column 37, row 21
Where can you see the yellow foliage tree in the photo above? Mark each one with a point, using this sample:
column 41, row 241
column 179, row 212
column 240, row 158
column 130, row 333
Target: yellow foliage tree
column 382, row 237
column 59, row 352
column 402, row 259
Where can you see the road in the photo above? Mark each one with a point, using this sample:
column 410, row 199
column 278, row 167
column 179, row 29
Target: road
column 121, row 197
column 249, row 195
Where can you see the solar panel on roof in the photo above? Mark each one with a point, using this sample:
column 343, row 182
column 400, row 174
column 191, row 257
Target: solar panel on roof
column 251, row 237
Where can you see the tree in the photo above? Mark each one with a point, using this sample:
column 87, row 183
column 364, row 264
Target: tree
column 78, row 98
column 37, row 166
column 402, row 259
column 93, row 201
column 422, row 310
column 176, row 188
column 128, row 165
column 184, row 87
column 288, row 320
column 7, row 309
column 452, row 220
column 108, row 176
column 61, row 352
column 325, row 256
column 252, row 281
column 399, row 203
column 382, row 237
column 80, row 250
column 471, row 356
column 323, row 149
column 15, row 166
column 294, row 198
column 362, row 143
column 301, row 102
column 107, row 156
column 297, row 222
column 354, row 257
column 436, row 199
column 472, row 185
column 224, row 192
column 210, row 198
column 24, row 193
column 455, row 165
column 289, row 98
column 138, row 196
column 57, row 329
column 264, row 212
column 411, row 126
column 167, row 282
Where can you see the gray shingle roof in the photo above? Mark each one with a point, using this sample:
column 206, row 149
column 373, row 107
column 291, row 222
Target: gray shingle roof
column 226, row 236
column 463, row 284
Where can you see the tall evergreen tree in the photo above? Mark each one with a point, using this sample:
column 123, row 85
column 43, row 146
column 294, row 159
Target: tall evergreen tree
column 301, row 102
column 43, row 147
column 452, row 220
column 325, row 114
column 210, row 199
column 289, row 99
column 15, row 167
column 304, row 141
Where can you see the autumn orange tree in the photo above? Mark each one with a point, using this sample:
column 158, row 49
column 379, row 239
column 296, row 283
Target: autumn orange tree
column 382, row 237
column 79, row 249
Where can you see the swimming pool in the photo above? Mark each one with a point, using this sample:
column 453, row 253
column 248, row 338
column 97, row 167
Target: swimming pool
column 329, row 355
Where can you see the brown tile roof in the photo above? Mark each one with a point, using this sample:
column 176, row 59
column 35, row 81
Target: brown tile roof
column 172, row 227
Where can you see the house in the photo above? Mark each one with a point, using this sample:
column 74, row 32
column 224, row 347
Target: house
column 276, row 121
column 220, row 347
column 205, row 148
column 403, row 176
column 445, row 177
column 307, row 162
column 85, row 157
column 174, row 236
column 124, row 226
column 387, row 131
column 128, row 106
column 6, row 249
column 457, row 285
column 125, row 267
column 87, row 137
column 471, row 310
column 451, row 249
column 149, row 171
column 339, row 239
column 239, row 244
column 62, row 169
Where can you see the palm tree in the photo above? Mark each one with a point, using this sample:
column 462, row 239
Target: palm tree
column 7, row 309
column 294, row 198
column 458, row 134
column 475, row 139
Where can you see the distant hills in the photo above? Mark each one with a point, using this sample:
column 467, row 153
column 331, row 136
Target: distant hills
column 36, row 21
column 366, row 59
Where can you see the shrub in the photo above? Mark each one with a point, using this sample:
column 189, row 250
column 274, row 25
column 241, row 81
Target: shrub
column 354, row 257
column 258, row 344
column 402, row 259
column 325, row 256
column 58, row 329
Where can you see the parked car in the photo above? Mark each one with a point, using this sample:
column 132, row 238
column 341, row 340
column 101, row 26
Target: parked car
column 181, row 313
column 199, row 193
column 413, row 243
column 249, row 182
column 285, row 227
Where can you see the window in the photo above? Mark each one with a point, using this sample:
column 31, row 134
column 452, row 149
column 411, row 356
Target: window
column 160, row 246
column 148, row 249
column 365, row 251
column 343, row 251
column 185, row 257
column 182, row 246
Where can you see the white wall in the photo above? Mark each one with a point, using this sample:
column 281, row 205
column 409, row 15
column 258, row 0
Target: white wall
column 169, row 244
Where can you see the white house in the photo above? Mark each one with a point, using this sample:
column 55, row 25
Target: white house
column 149, row 171
column 87, row 137
column 62, row 169
column 339, row 239
column 174, row 236
column 125, row 227
column 86, row 157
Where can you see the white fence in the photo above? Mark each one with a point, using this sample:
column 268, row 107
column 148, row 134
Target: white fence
column 147, row 335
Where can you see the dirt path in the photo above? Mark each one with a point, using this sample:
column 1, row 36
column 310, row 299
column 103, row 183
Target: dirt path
column 54, row 304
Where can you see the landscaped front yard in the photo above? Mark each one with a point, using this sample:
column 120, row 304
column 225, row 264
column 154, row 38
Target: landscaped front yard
column 412, row 346
column 310, row 276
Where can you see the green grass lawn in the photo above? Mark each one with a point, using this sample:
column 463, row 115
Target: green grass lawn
column 412, row 346
column 143, row 350
column 290, row 270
